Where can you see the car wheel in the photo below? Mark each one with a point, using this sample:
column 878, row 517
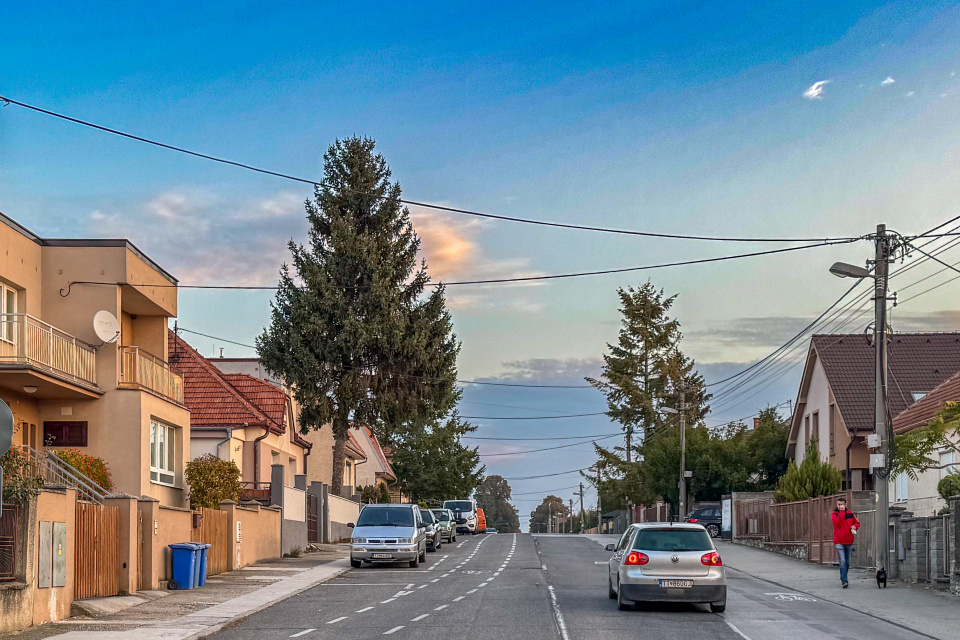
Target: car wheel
column 623, row 605
column 356, row 564
column 610, row 591
column 713, row 530
column 415, row 562
column 432, row 547
column 718, row 608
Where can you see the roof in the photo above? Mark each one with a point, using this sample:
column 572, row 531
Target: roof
column 380, row 455
column 923, row 410
column 918, row 362
column 355, row 445
column 219, row 400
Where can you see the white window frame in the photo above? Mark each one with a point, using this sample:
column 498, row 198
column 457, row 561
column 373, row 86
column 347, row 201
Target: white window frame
column 901, row 488
column 8, row 326
column 163, row 458
column 948, row 457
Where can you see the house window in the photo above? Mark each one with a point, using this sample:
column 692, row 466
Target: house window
column 8, row 307
column 833, row 429
column 918, row 395
column 65, row 434
column 816, row 426
column 948, row 463
column 806, row 434
column 902, row 481
column 163, row 453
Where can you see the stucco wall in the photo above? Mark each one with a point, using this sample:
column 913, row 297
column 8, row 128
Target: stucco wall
column 162, row 526
column 20, row 267
column 54, row 603
column 343, row 510
column 259, row 533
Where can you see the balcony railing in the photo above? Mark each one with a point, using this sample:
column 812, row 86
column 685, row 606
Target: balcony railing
column 141, row 369
column 26, row 340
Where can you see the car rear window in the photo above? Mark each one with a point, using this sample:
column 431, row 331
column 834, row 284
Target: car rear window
column 385, row 517
column 672, row 540
column 443, row 516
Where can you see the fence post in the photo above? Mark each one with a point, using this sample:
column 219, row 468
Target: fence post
column 325, row 514
column 233, row 551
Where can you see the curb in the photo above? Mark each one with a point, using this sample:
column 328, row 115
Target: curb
column 216, row 628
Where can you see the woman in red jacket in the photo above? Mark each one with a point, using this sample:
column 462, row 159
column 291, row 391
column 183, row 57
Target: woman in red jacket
column 845, row 526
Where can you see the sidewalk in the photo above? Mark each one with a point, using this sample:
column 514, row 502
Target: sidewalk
column 927, row 611
column 198, row 613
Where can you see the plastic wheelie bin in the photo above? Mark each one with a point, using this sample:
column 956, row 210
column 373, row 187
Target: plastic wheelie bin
column 202, row 550
column 184, row 561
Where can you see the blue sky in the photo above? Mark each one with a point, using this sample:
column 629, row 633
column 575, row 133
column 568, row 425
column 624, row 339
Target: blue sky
column 683, row 117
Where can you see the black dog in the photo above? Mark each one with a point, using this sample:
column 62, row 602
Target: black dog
column 882, row 578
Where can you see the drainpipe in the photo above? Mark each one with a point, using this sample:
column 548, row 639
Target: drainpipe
column 225, row 440
column 256, row 454
column 849, row 479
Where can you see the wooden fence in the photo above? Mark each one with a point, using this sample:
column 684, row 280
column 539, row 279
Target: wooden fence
column 214, row 530
column 96, row 561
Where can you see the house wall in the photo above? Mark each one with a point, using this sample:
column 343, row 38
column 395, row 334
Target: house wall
column 258, row 535
column 52, row 604
column 162, row 526
column 923, row 499
column 818, row 402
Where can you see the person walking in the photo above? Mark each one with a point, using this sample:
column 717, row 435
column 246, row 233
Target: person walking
column 845, row 526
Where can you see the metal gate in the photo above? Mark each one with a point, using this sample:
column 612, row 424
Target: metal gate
column 96, row 561
column 313, row 518
column 213, row 529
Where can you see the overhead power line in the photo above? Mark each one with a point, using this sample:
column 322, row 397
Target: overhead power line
column 562, row 446
column 548, row 475
column 428, row 205
column 597, row 435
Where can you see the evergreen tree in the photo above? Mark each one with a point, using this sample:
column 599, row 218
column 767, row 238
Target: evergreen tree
column 353, row 331
column 493, row 496
column 811, row 479
column 551, row 507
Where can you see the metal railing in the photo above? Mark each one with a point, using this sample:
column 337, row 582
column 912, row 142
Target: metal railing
column 55, row 471
column 27, row 340
column 255, row 491
column 139, row 368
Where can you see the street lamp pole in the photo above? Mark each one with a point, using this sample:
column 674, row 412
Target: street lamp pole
column 683, row 455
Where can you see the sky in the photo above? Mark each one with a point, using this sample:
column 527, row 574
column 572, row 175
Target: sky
column 797, row 119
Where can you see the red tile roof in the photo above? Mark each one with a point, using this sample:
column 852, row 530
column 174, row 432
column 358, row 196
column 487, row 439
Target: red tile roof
column 923, row 410
column 378, row 451
column 355, row 445
column 918, row 362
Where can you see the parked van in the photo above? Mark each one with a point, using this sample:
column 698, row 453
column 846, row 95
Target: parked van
column 465, row 512
column 481, row 521
column 388, row 533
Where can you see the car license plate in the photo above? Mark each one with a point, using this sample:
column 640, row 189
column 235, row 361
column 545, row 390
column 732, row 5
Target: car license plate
column 676, row 584
column 381, row 556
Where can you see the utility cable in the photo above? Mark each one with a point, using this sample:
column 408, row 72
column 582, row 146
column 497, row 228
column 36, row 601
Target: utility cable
column 562, row 446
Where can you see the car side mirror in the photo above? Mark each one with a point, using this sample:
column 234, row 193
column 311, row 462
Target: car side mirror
column 351, row 525
column 610, row 547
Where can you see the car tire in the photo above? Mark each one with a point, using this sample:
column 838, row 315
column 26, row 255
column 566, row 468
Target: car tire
column 356, row 564
column 623, row 605
column 432, row 548
column 610, row 592
column 718, row 608
column 713, row 530
column 415, row 562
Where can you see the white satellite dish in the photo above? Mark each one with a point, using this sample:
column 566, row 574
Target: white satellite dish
column 106, row 326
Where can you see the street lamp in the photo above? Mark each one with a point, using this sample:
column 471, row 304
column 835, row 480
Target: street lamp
column 884, row 248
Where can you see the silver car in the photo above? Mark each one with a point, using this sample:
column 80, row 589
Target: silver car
column 388, row 533
column 666, row 562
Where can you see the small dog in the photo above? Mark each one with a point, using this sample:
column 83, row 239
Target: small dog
column 882, row 578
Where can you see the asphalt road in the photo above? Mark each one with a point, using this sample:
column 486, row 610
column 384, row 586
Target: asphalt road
column 538, row 588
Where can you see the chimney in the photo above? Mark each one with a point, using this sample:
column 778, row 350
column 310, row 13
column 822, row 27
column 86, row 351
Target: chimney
column 756, row 423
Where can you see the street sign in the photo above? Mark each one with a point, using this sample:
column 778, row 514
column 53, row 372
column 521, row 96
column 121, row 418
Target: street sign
column 6, row 427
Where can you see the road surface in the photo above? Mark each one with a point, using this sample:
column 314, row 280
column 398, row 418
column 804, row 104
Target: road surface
column 541, row 587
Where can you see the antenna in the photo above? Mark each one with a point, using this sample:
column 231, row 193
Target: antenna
column 106, row 326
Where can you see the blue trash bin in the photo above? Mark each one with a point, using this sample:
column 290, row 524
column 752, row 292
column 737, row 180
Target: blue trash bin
column 204, row 548
column 184, row 561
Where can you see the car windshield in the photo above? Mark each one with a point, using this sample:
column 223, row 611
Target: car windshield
column 442, row 516
column 427, row 516
column 672, row 540
column 458, row 505
column 386, row 517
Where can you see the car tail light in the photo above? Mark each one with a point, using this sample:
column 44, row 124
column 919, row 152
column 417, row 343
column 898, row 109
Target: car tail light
column 711, row 560
column 692, row 520
column 635, row 557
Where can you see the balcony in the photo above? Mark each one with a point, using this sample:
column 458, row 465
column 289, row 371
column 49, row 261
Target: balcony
column 48, row 362
column 142, row 370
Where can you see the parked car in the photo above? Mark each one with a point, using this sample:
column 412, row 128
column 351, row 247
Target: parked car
column 666, row 563
column 481, row 521
column 709, row 517
column 433, row 530
column 447, row 524
column 490, row 530
column 465, row 514
column 388, row 533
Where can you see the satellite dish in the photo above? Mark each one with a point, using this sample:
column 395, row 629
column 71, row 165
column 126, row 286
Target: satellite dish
column 106, row 326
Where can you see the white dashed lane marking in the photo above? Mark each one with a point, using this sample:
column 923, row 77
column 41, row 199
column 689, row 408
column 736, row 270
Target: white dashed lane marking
column 336, row 620
column 394, row 630
column 420, row 617
column 441, row 607
column 302, row 633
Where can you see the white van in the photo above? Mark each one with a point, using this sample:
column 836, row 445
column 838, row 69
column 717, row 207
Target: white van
column 465, row 514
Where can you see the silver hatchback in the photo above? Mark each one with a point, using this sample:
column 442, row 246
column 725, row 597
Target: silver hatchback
column 666, row 562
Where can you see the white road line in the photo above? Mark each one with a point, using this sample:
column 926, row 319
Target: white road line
column 737, row 631
column 471, row 591
column 435, row 580
column 600, row 562
column 420, row 617
column 394, row 630
column 365, row 609
column 441, row 607
column 302, row 633
column 409, row 586
column 423, row 586
column 558, row 617
column 387, row 600
column 458, row 598
column 358, row 584
column 335, row 620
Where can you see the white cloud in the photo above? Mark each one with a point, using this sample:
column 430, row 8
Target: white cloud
column 889, row 80
column 815, row 92
column 908, row 94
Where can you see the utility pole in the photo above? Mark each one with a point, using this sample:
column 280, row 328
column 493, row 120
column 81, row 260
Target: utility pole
column 884, row 247
column 570, row 518
column 599, row 510
column 683, row 454
column 581, row 508
column 549, row 516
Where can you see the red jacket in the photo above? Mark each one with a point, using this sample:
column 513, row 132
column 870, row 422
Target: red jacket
column 843, row 521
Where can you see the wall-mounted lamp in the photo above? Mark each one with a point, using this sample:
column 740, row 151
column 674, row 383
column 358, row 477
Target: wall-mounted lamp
column 30, row 388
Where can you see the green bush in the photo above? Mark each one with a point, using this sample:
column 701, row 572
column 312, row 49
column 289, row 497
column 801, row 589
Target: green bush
column 90, row 466
column 212, row 481
column 813, row 478
column 20, row 482
column 384, row 494
column 949, row 486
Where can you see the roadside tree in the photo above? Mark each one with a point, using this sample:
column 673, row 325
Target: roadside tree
column 551, row 507
column 811, row 479
column 493, row 496
column 212, row 480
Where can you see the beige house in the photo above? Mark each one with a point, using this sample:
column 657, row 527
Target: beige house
column 120, row 399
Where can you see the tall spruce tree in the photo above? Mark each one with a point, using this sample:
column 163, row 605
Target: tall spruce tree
column 353, row 330
column 493, row 496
